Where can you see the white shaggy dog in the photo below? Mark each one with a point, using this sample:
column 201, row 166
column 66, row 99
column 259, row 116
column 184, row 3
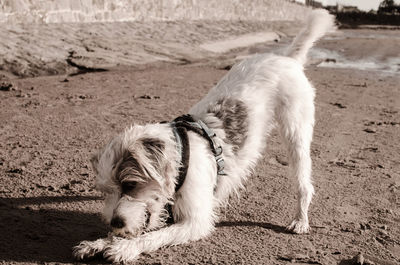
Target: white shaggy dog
column 141, row 170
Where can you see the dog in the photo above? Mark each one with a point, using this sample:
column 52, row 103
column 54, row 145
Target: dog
column 186, row 169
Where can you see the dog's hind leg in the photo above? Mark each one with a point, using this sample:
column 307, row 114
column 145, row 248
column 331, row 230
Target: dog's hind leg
column 296, row 118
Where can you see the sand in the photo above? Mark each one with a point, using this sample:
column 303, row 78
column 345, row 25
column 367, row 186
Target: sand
column 51, row 124
column 28, row 50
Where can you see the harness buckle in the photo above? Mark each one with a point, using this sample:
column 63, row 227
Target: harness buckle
column 220, row 165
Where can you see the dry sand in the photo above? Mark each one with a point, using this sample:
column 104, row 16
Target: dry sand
column 51, row 124
column 28, row 50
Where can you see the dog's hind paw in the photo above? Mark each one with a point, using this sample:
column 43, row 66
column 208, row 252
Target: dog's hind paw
column 299, row 227
column 88, row 249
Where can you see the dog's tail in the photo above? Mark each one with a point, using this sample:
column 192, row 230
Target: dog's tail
column 318, row 24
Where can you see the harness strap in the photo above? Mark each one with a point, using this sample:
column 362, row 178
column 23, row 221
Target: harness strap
column 180, row 126
column 183, row 147
column 198, row 126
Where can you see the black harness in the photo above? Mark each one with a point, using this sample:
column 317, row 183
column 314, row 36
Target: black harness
column 180, row 127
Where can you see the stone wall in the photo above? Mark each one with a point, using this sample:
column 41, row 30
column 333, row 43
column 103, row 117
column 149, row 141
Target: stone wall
column 56, row 11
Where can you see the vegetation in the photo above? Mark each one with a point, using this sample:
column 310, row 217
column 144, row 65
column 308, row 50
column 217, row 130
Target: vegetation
column 388, row 14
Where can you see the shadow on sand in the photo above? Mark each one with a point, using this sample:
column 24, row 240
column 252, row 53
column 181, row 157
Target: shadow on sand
column 275, row 228
column 44, row 235
column 48, row 235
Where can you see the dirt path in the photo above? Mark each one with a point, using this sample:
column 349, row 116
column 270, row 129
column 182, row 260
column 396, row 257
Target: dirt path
column 50, row 125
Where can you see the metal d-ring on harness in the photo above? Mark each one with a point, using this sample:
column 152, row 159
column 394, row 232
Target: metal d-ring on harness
column 215, row 148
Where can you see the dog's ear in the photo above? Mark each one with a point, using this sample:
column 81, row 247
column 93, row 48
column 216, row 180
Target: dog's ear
column 129, row 169
column 153, row 145
column 154, row 151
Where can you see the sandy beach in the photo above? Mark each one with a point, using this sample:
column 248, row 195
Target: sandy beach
column 54, row 114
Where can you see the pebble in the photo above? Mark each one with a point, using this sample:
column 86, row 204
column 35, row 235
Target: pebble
column 369, row 130
column 294, row 257
column 365, row 226
column 361, row 260
column 147, row 97
column 6, row 86
column 339, row 105
column 384, row 233
column 389, row 211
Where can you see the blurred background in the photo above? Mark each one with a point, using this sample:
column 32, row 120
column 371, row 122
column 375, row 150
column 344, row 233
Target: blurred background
column 56, row 37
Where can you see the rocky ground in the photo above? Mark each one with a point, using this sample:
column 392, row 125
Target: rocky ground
column 51, row 124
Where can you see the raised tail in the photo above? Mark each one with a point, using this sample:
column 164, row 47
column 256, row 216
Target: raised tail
column 318, row 24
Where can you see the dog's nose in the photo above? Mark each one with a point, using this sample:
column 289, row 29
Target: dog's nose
column 117, row 222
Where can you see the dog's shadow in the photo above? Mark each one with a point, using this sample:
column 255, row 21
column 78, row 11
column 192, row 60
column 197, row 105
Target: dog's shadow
column 44, row 235
column 273, row 227
column 48, row 235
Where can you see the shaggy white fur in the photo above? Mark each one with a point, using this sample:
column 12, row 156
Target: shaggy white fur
column 138, row 170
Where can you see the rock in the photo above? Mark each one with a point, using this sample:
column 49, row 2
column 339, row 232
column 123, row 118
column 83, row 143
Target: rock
column 6, row 86
column 339, row 105
column 369, row 130
column 66, row 186
column 281, row 161
column 301, row 257
column 149, row 97
column 52, row 188
column 294, row 257
column 380, row 240
column 389, row 211
column 359, row 85
column 330, row 60
column 363, row 259
column 15, row 171
column 371, row 149
column 384, row 233
column 359, row 259
column 365, row 226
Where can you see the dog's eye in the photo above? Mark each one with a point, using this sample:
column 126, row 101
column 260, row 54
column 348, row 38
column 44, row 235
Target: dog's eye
column 128, row 186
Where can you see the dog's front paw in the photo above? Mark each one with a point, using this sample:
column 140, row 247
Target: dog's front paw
column 88, row 249
column 121, row 251
column 299, row 227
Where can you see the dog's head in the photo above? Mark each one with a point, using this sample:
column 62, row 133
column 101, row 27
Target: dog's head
column 136, row 173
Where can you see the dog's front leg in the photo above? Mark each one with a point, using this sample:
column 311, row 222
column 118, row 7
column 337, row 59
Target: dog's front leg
column 127, row 250
column 89, row 249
